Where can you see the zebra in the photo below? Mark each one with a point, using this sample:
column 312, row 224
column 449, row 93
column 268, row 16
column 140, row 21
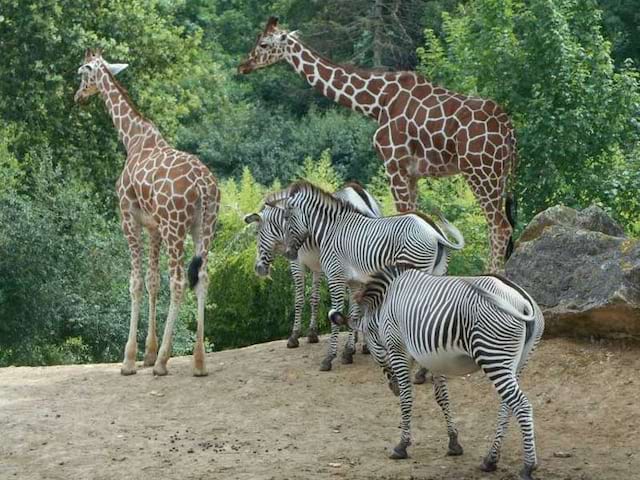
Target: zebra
column 353, row 246
column 453, row 326
column 270, row 222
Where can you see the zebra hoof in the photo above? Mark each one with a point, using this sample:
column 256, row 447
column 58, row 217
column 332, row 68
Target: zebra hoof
column 420, row 376
column 312, row 337
column 489, row 465
column 347, row 357
column 525, row 473
column 365, row 349
column 399, row 452
column 293, row 342
column 325, row 366
column 455, row 449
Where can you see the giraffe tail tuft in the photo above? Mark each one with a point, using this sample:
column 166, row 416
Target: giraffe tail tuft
column 194, row 270
column 511, row 210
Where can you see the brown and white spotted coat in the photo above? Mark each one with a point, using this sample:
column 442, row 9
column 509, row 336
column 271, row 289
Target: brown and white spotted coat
column 169, row 192
column 425, row 130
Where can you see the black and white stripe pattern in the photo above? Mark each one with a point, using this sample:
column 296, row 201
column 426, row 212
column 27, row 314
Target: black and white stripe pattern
column 271, row 237
column 353, row 246
column 454, row 326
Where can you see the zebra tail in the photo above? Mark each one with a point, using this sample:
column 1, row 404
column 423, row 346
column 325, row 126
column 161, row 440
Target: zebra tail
column 450, row 230
column 505, row 306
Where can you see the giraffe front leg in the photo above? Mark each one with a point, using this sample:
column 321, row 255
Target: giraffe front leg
column 297, row 272
column 336, row 289
column 152, row 282
column 132, row 232
column 399, row 364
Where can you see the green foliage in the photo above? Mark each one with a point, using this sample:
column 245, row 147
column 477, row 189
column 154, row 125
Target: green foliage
column 548, row 63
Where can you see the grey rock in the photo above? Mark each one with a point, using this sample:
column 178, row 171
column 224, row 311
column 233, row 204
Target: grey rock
column 583, row 273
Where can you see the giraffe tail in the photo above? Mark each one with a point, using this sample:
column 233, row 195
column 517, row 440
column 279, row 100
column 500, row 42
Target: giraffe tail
column 511, row 210
column 194, row 270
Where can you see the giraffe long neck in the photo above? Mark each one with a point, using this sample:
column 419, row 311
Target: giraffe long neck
column 135, row 132
column 359, row 90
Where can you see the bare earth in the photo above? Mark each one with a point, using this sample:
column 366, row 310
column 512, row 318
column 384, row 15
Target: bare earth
column 265, row 412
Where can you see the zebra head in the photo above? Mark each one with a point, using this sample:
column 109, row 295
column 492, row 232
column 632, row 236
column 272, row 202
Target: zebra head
column 296, row 230
column 270, row 221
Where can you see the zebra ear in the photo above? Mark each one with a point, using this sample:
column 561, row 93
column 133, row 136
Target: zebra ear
column 252, row 217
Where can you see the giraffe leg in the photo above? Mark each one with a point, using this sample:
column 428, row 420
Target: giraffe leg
column 488, row 192
column 132, row 231
column 442, row 397
column 202, row 236
column 298, row 273
column 175, row 247
column 312, row 335
column 397, row 160
column 152, row 282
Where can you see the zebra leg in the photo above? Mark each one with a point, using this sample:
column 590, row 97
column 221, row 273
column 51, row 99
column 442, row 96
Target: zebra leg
column 350, row 347
column 490, row 462
column 506, row 383
column 400, row 366
column 336, row 289
column 312, row 335
column 442, row 397
column 297, row 272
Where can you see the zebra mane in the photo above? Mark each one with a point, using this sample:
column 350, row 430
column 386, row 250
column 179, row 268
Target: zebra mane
column 373, row 292
column 304, row 185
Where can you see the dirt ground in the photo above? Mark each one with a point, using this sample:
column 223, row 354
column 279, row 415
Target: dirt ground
column 265, row 412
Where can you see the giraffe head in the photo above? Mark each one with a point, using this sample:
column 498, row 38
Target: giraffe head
column 91, row 70
column 270, row 48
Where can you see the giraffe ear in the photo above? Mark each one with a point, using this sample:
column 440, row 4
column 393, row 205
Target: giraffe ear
column 116, row 68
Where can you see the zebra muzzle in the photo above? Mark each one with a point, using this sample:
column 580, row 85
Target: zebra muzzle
column 337, row 318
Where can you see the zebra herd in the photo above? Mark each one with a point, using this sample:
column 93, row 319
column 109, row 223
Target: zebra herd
column 406, row 308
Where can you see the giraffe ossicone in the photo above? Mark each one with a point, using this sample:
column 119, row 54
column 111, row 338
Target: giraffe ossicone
column 424, row 130
column 171, row 194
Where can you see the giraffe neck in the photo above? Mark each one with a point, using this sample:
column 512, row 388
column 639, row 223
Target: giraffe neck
column 135, row 132
column 359, row 90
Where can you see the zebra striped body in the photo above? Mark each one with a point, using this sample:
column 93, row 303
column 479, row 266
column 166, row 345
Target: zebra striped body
column 353, row 246
column 454, row 326
column 271, row 237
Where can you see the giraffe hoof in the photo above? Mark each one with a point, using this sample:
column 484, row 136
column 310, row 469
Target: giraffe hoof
column 489, row 465
column 312, row 337
column 365, row 349
column 293, row 342
column 347, row 357
column 200, row 372
column 325, row 366
column 160, row 370
column 149, row 359
column 128, row 369
column 399, row 452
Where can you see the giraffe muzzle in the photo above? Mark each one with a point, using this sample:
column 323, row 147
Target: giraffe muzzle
column 246, row 67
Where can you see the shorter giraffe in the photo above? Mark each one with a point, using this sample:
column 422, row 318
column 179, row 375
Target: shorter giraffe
column 169, row 192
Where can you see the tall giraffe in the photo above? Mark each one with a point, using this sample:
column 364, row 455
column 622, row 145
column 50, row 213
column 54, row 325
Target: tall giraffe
column 425, row 130
column 169, row 192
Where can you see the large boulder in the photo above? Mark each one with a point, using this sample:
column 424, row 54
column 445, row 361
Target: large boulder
column 583, row 272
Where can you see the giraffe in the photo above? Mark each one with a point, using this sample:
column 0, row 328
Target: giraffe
column 424, row 130
column 170, row 193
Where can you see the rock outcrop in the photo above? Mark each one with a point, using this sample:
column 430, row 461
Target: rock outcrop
column 582, row 270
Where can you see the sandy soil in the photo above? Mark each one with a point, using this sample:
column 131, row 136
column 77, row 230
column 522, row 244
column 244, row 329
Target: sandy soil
column 266, row 412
